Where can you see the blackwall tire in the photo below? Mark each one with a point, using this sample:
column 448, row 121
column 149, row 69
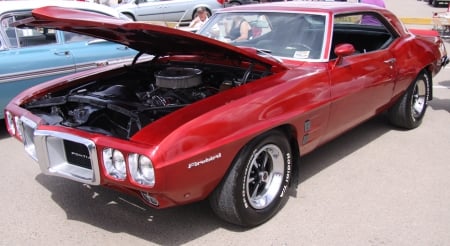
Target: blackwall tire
column 256, row 186
column 409, row 111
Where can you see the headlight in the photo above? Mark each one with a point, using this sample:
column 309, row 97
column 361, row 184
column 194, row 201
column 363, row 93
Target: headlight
column 114, row 163
column 10, row 123
column 141, row 169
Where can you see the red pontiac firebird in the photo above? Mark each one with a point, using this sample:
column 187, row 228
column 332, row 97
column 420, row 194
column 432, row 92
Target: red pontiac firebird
column 225, row 113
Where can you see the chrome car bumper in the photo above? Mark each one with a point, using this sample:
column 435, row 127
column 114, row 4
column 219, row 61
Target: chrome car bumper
column 62, row 154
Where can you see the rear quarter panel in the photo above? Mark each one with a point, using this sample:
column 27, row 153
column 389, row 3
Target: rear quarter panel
column 413, row 55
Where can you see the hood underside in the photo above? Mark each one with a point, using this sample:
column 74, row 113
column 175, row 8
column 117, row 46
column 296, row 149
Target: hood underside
column 147, row 38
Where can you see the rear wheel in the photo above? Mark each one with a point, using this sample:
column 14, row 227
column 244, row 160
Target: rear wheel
column 408, row 112
column 255, row 188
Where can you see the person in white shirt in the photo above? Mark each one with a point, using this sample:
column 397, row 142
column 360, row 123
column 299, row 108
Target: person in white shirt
column 202, row 17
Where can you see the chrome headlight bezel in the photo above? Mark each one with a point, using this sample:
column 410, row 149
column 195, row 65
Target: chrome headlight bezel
column 114, row 163
column 141, row 170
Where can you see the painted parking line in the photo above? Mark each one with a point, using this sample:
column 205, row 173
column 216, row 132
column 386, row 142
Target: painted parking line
column 416, row 21
column 440, row 87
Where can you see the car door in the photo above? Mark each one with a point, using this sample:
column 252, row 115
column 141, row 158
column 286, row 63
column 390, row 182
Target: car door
column 83, row 47
column 362, row 83
column 150, row 10
column 174, row 10
column 29, row 56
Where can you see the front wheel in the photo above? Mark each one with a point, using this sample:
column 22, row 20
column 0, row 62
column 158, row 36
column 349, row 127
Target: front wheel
column 256, row 186
column 408, row 112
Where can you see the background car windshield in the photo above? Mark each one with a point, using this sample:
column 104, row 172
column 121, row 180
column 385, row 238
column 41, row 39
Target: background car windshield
column 26, row 37
column 31, row 37
column 298, row 36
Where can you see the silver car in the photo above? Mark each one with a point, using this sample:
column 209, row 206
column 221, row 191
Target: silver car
column 166, row 10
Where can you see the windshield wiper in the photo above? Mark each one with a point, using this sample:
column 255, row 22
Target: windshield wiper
column 267, row 53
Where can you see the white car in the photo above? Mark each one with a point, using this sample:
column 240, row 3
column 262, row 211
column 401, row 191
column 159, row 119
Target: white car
column 168, row 11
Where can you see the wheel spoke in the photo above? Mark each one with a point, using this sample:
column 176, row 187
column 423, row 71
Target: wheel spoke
column 265, row 176
column 255, row 191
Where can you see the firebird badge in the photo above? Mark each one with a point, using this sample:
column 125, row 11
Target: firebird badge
column 205, row 161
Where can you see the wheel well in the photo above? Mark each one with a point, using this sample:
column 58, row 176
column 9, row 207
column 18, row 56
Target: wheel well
column 129, row 15
column 291, row 134
column 430, row 84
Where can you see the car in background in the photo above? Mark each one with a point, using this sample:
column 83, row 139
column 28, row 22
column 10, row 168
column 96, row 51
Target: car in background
column 213, row 118
column 437, row 3
column 166, row 11
column 29, row 56
column 228, row 3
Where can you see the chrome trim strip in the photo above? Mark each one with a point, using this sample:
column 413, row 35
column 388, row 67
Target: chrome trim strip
column 52, row 157
column 9, row 77
column 102, row 63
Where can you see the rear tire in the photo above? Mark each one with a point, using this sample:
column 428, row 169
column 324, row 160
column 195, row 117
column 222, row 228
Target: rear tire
column 256, row 186
column 410, row 109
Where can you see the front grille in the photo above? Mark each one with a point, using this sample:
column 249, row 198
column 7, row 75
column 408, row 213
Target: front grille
column 77, row 154
column 67, row 155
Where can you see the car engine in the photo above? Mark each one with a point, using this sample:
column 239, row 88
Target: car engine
column 123, row 104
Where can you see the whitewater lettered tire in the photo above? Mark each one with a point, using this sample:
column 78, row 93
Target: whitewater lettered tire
column 408, row 112
column 256, row 186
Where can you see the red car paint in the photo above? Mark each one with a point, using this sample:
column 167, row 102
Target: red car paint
column 192, row 148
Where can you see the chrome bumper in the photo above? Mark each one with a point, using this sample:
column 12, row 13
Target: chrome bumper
column 62, row 154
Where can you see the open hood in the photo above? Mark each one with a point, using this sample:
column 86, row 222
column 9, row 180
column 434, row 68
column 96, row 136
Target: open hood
column 143, row 37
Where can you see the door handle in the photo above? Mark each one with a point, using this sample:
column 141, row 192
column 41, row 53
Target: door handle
column 390, row 61
column 122, row 48
column 62, row 53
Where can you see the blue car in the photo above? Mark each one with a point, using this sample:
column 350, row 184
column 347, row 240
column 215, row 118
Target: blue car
column 29, row 56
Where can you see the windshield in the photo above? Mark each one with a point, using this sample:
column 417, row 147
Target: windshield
column 291, row 35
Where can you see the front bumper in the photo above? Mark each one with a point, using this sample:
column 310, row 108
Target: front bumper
column 62, row 154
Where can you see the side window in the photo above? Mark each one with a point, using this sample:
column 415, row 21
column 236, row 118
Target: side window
column 70, row 37
column 26, row 37
column 365, row 31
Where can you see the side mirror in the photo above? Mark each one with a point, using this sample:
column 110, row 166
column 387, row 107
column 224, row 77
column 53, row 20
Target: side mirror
column 342, row 50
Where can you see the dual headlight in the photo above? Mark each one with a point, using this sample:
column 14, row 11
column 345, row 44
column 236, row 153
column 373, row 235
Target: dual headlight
column 140, row 167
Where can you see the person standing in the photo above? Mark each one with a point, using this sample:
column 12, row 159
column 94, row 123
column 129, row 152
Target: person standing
column 368, row 19
column 200, row 19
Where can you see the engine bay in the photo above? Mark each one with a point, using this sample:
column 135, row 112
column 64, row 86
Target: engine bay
column 122, row 104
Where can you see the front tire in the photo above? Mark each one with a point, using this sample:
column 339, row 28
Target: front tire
column 409, row 111
column 256, row 186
